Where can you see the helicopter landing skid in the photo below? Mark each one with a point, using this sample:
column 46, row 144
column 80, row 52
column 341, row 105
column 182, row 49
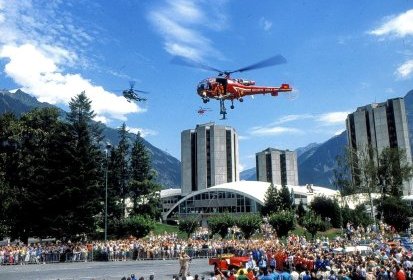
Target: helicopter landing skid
column 223, row 110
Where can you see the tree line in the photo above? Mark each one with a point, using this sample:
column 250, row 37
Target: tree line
column 52, row 177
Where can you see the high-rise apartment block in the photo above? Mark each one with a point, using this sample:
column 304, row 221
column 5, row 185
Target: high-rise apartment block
column 209, row 157
column 380, row 125
column 277, row 166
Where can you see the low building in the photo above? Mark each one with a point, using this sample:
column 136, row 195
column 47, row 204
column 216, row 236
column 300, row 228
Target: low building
column 236, row 198
column 169, row 197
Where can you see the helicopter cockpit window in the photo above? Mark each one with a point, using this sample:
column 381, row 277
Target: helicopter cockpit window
column 221, row 80
column 203, row 85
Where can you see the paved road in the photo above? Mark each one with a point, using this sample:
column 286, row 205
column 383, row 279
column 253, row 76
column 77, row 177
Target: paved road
column 163, row 270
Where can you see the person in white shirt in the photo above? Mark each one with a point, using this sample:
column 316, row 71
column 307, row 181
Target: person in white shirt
column 250, row 263
column 294, row 275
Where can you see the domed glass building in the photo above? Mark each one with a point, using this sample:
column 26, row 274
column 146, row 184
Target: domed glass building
column 235, row 197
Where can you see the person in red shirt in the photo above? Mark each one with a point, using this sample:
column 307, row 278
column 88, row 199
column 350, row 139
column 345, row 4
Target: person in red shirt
column 232, row 275
column 250, row 274
column 400, row 274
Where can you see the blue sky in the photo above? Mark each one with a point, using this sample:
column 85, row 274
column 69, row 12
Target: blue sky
column 341, row 55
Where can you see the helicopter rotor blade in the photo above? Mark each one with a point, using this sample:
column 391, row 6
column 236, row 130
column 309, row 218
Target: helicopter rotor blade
column 132, row 84
column 192, row 63
column 140, row 91
column 275, row 60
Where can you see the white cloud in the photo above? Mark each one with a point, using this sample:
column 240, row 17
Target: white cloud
column 332, row 118
column 243, row 137
column 291, row 118
column 405, row 70
column 180, row 23
column 327, row 118
column 251, row 156
column 186, row 10
column 39, row 43
column 241, row 167
column 399, row 26
column 143, row 131
column 101, row 119
column 38, row 73
column 265, row 24
column 273, row 130
column 306, row 122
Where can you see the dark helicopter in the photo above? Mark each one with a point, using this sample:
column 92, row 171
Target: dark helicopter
column 131, row 94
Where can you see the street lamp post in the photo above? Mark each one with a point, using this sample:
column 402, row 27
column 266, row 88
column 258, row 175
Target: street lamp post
column 108, row 146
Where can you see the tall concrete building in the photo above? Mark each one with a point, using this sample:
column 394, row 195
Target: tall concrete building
column 209, row 157
column 277, row 167
column 408, row 102
column 380, row 125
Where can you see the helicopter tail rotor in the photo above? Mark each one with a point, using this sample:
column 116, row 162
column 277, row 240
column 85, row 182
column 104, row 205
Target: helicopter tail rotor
column 293, row 95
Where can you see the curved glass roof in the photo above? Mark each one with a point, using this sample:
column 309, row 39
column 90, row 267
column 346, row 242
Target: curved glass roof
column 251, row 190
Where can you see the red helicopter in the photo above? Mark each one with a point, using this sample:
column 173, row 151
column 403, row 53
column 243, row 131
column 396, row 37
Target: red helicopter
column 202, row 111
column 224, row 87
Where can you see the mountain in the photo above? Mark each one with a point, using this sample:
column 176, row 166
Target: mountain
column 316, row 166
column 248, row 174
column 316, row 162
column 18, row 102
column 167, row 167
column 307, row 151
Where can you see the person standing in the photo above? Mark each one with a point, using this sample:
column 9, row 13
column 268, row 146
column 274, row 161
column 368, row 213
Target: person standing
column 400, row 275
column 262, row 264
column 242, row 276
column 184, row 264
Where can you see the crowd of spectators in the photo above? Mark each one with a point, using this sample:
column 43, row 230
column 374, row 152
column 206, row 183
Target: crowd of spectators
column 297, row 258
column 300, row 259
column 166, row 246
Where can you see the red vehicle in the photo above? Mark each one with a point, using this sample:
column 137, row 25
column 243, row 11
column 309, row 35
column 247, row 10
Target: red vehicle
column 224, row 87
column 228, row 262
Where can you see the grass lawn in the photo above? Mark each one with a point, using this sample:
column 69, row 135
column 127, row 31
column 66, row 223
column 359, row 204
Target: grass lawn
column 162, row 228
column 331, row 233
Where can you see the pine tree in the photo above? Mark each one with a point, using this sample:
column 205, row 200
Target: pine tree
column 271, row 201
column 84, row 193
column 144, row 191
column 8, row 172
column 115, row 206
column 140, row 161
column 36, row 173
column 285, row 199
column 37, row 130
column 120, row 172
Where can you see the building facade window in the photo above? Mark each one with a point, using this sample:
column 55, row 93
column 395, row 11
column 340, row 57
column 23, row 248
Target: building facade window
column 283, row 169
column 194, row 161
column 268, row 165
column 208, row 156
column 229, row 153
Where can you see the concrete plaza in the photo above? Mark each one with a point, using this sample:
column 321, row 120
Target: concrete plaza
column 162, row 269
